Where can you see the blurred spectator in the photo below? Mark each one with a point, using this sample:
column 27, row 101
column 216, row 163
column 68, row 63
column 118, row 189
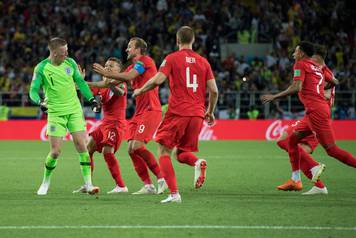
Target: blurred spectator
column 99, row 29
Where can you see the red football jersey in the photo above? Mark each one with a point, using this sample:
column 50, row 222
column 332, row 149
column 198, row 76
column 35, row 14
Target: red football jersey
column 148, row 101
column 114, row 106
column 328, row 75
column 188, row 73
column 312, row 76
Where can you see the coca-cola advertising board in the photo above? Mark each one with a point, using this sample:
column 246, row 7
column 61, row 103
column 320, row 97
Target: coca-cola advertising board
column 222, row 130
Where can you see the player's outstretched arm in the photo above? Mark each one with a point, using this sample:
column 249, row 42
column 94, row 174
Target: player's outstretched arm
column 117, row 89
column 123, row 77
column 156, row 80
column 213, row 99
column 292, row 89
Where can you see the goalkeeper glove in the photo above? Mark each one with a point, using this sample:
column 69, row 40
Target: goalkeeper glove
column 43, row 106
column 95, row 104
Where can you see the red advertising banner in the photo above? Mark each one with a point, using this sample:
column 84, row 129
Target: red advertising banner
column 222, row 130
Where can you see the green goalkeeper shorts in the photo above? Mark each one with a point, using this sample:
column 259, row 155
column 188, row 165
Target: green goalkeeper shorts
column 58, row 125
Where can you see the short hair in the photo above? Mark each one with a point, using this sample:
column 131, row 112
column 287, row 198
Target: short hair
column 140, row 44
column 320, row 50
column 307, row 47
column 185, row 35
column 116, row 60
column 56, row 42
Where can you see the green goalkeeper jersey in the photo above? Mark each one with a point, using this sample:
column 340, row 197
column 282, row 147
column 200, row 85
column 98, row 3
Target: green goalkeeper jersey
column 59, row 88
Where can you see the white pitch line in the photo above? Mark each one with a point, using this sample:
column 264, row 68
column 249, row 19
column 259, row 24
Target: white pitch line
column 179, row 227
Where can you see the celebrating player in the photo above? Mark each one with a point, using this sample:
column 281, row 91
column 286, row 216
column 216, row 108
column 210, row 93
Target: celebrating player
column 147, row 116
column 189, row 75
column 107, row 137
column 308, row 143
column 57, row 75
column 309, row 78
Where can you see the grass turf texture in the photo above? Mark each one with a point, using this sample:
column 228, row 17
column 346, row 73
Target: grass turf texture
column 240, row 191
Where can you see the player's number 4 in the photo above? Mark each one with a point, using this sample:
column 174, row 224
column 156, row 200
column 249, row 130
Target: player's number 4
column 194, row 84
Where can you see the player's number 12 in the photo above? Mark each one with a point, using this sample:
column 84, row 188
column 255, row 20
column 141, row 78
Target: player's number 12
column 193, row 85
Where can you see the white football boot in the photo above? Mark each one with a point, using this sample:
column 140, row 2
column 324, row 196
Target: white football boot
column 161, row 185
column 43, row 188
column 173, row 198
column 82, row 189
column 315, row 191
column 92, row 190
column 118, row 189
column 200, row 173
column 147, row 189
column 317, row 171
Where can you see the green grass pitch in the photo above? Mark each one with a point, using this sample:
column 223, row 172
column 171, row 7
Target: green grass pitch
column 239, row 198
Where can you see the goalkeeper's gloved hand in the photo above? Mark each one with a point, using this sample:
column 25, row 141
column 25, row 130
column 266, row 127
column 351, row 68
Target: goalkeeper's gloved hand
column 43, row 106
column 95, row 104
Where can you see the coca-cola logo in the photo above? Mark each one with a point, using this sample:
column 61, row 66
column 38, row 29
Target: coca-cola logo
column 91, row 125
column 275, row 129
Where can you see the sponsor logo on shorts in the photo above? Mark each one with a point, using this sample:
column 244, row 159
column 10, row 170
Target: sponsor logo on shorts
column 52, row 128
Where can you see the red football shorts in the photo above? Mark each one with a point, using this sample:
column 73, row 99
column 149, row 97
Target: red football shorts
column 309, row 140
column 319, row 122
column 108, row 134
column 142, row 127
column 180, row 132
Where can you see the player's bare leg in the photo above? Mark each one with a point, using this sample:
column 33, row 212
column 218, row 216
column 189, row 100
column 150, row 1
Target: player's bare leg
column 79, row 140
column 168, row 174
column 50, row 164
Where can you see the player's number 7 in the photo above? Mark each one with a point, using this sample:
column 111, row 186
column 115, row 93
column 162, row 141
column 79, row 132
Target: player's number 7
column 193, row 85
column 320, row 82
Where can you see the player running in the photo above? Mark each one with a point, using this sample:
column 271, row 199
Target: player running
column 58, row 75
column 147, row 116
column 308, row 143
column 107, row 137
column 309, row 78
column 189, row 75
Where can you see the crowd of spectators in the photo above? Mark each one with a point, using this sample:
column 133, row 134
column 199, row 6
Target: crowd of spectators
column 97, row 29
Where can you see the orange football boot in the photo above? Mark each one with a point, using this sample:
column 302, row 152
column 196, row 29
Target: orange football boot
column 291, row 185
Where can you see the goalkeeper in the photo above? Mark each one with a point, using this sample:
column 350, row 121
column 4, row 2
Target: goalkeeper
column 57, row 75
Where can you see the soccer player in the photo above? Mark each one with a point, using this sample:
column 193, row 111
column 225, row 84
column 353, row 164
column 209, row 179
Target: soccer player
column 147, row 116
column 107, row 137
column 189, row 75
column 309, row 78
column 308, row 143
column 58, row 75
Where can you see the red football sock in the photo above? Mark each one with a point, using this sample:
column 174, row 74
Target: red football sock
column 150, row 160
column 341, row 155
column 114, row 167
column 141, row 168
column 283, row 144
column 187, row 158
column 168, row 173
column 306, row 163
column 293, row 151
column 91, row 156
column 319, row 184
